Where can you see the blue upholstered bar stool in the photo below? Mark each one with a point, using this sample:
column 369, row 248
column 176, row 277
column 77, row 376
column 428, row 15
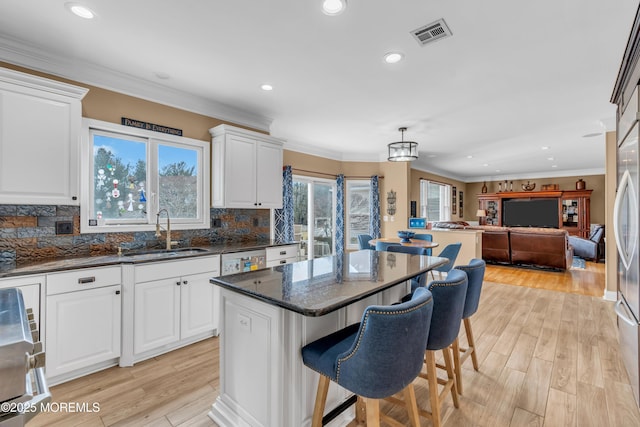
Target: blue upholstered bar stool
column 448, row 304
column 426, row 237
column 382, row 246
column 451, row 252
column 419, row 280
column 363, row 240
column 475, row 275
column 376, row 358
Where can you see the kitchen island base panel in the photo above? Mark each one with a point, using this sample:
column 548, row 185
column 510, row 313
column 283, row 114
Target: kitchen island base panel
column 263, row 381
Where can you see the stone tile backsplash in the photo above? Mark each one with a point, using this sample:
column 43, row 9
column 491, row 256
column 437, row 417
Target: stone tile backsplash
column 28, row 233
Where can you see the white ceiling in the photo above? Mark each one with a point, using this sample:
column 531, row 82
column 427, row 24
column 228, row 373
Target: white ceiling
column 515, row 76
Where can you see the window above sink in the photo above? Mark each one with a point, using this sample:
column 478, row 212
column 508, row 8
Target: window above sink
column 128, row 173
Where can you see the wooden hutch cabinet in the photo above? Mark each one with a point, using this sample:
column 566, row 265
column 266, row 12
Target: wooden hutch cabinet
column 574, row 208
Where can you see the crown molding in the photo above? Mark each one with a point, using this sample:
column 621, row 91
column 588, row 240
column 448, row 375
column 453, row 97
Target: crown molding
column 29, row 56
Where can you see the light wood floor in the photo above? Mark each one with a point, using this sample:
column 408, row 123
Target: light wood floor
column 547, row 358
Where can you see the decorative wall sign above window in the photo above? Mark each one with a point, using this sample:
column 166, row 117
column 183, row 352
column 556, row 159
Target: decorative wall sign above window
column 150, row 126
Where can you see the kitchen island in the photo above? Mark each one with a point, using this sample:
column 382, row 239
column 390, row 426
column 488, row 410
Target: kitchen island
column 268, row 315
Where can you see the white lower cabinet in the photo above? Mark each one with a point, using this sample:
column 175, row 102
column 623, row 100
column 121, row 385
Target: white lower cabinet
column 157, row 314
column 174, row 304
column 83, row 322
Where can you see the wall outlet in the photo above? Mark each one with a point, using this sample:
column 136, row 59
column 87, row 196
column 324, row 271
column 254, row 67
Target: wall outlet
column 216, row 223
column 256, row 222
column 64, row 227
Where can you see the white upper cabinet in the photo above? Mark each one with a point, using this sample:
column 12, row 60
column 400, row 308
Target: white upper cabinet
column 246, row 169
column 40, row 122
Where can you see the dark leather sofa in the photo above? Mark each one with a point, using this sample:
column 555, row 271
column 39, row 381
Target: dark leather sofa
column 540, row 247
column 536, row 247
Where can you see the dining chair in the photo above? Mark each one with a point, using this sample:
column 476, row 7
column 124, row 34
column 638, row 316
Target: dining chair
column 383, row 246
column 475, row 276
column 419, row 280
column 451, row 252
column 426, row 237
column 376, row 358
column 363, row 240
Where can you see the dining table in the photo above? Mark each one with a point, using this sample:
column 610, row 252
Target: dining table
column 412, row 242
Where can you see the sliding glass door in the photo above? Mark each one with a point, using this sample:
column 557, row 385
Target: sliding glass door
column 314, row 211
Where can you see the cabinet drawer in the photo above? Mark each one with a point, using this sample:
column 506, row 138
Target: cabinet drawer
column 277, row 253
column 79, row 280
column 277, row 262
column 165, row 269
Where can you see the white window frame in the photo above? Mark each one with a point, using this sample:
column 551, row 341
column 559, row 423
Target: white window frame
column 153, row 139
column 445, row 200
column 349, row 183
column 311, row 181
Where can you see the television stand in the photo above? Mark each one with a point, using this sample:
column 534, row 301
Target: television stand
column 574, row 208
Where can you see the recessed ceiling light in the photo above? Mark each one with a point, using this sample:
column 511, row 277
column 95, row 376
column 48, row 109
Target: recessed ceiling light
column 393, row 57
column 266, row 86
column 545, row 148
column 80, row 10
column 497, row 170
column 431, row 155
column 469, row 157
column 550, row 158
column 485, row 164
column 554, row 166
column 334, row 7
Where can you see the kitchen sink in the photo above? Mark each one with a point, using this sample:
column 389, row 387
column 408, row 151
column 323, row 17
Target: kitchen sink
column 168, row 252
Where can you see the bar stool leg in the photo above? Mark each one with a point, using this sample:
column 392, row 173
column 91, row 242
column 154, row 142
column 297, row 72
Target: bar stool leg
column 449, row 366
column 321, row 399
column 361, row 412
column 373, row 412
column 412, row 408
column 432, row 378
column 457, row 369
column 471, row 342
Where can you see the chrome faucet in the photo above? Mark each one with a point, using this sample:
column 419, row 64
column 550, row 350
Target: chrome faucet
column 168, row 229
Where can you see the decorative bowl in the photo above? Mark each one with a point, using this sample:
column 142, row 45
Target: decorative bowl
column 405, row 236
column 528, row 186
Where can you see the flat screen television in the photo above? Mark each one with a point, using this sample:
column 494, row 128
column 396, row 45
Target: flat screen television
column 530, row 213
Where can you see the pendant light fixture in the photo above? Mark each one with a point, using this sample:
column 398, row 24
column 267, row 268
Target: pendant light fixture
column 403, row 151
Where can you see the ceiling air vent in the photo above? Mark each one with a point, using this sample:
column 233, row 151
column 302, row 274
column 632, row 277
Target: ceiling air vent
column 431, row 32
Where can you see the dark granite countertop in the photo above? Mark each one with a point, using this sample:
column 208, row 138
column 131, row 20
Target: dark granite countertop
column 323, row 285
column 133, row 257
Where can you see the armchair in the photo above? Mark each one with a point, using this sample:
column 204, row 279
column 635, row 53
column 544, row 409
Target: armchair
column 588, row 248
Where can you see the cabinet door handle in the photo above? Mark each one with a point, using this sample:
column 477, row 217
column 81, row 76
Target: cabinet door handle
column 283, row 261
column 117, row 292
column 84, row 280
column 184, row 282
column 283, row 252
column 178, row 283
